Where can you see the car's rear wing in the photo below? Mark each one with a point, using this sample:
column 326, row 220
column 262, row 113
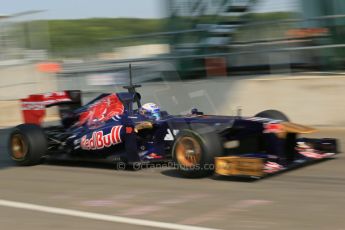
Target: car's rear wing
column 34, row 106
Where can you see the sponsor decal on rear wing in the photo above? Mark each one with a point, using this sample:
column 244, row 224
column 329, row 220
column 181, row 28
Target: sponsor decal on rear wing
column 33, row 107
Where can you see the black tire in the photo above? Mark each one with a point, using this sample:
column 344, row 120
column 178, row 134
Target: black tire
column 210, row 147
column 273, row 114
column 27, row 144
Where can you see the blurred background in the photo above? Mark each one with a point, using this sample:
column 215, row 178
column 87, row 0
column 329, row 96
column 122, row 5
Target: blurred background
column 217, row 55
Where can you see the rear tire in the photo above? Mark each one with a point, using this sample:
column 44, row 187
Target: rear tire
column 273, row 114
column 27, row 144
column 194, row 153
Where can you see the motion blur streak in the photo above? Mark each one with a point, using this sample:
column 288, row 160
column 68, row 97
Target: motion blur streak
column 96, row 216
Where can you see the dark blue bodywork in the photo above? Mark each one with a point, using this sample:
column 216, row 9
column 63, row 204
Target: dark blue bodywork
column 134, row 137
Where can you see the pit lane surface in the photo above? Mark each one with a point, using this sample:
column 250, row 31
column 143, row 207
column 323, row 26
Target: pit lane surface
column 311, row 197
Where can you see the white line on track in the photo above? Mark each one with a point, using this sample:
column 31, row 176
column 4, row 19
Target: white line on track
column 97, row 216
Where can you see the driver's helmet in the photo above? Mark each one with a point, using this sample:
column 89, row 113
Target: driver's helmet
column 150, row 110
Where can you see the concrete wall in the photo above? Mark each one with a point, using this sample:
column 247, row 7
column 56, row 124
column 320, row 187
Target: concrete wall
column 311, row 100
column 17, row 82
column 20, row 80
column 307, row 99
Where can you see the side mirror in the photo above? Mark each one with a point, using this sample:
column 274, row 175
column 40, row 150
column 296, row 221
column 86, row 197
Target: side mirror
column 195, row 111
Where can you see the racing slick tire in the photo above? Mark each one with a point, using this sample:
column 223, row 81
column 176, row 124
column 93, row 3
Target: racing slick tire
column 27, row 144
column 273, row 114
column 194, row 152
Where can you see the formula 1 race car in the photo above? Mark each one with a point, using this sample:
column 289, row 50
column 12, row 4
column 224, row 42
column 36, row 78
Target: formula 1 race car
column 115, row 127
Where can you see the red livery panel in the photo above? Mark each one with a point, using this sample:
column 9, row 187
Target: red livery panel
column 102, row 110
column 33, row 107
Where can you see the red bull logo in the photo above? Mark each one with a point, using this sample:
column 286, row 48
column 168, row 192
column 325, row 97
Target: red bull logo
column 99, row 141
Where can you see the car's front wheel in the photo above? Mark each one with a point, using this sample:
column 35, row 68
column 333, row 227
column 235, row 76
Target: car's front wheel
column 273, row 114
column 194, row 153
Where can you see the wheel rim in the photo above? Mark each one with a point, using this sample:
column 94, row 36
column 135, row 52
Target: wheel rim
column 18, row 147
column 188, row 151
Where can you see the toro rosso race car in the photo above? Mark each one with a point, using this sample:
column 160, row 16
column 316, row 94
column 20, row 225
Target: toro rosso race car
column 115, row 127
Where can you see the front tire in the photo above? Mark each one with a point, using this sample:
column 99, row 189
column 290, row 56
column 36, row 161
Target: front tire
column 27, row 144
column 273, row 114
column 194, row 153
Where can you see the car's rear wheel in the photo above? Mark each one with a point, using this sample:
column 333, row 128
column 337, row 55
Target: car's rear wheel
column 194, row 153
column 27, row 144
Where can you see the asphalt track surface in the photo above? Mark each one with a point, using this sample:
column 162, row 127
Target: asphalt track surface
column 69, row 195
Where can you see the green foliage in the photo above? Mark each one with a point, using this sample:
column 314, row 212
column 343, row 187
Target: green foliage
column 272, row 16
column 68, row 36
column 82, row 37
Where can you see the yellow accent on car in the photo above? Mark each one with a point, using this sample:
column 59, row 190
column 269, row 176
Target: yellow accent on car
column 239, row 166
column 143, row 125
column 290, row 127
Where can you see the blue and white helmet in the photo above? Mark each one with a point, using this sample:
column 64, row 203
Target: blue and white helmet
column 151, row 110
